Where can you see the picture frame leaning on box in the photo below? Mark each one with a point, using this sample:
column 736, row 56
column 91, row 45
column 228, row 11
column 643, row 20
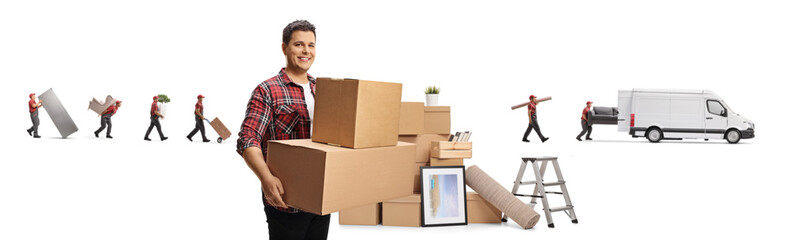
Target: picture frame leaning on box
column 280, row 109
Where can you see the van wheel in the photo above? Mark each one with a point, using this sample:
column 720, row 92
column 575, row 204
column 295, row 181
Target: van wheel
column 733, row 136
column 654, row 135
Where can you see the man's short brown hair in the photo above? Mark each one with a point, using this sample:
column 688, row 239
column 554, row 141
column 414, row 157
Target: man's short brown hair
column 298, row 25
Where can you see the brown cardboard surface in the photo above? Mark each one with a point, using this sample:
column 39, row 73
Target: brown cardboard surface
column 416, row 188
column 418, row 165
column 365, row 215
column 481, row 211
column 423, row 144
column 437, row 120
column 356, row 113
column 403, row 212
column 445, row 145
column 442, row 154
column 434, row 162
column 322, row 179
column 220, row 128
column 412, row 118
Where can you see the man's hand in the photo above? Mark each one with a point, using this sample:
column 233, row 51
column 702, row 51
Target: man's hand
column 273, row 191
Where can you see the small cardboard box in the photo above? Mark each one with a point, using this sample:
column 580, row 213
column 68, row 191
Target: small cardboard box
column 434, row 162
column 412, row 118
column 322, row 179
column 418, row 165
column 442, row 154
column 403, row 212
column 356, row 113
column 481, row 211
column 437, row 119
column 370, row 214
column 423, row 144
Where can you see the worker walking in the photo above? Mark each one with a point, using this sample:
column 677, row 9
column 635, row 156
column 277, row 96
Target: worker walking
column 531, row 112
column 586, row 124
column 106, row 122
column 155, row 116
column 199, row 121
column 33, row 108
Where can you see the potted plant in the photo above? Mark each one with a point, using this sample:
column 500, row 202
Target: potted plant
column 432, row 96
column 163, row 99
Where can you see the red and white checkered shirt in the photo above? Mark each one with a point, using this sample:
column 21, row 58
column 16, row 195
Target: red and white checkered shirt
column 276, row 111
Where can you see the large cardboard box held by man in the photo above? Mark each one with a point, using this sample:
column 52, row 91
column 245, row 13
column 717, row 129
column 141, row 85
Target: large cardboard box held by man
column 323, row 179
column 356, row 113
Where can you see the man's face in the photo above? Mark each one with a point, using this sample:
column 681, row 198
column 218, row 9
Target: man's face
column 589, row 105
column 117, row 104
column 301, row 50
column 32, row 97
column 533, row 100
column 200, row 99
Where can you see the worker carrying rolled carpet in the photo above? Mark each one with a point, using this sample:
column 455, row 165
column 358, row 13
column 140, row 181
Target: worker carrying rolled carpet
column 503, row 200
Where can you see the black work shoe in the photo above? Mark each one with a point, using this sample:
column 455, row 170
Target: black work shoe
column 544, row 140
column 36, row 136
column 108, row 136
column 588, row 138
column 206, row 140
column 578, row 139
column 147, row 139
column 525, row 140
column 30, row 132
column 188, row 137
column 96, row 134
column 164, row 138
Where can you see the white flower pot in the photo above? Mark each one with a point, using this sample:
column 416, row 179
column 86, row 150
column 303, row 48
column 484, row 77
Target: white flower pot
column 163, row 109
column 432, row 99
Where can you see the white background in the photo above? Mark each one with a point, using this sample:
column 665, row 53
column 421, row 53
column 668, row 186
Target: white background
column 485, row 56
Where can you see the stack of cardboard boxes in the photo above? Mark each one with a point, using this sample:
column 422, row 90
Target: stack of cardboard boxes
column 429, row 129
column 354, row 159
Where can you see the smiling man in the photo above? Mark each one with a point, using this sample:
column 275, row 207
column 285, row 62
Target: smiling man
column 281, row 108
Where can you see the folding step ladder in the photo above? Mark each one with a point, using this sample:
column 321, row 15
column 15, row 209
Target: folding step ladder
column 540, row 192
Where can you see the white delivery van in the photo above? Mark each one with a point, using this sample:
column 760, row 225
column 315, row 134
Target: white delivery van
column 658, row 114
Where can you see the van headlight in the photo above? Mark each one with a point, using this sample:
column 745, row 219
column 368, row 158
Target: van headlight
column 752, row 125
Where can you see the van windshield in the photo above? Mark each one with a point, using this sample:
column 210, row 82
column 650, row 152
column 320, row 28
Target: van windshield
column 730, row 111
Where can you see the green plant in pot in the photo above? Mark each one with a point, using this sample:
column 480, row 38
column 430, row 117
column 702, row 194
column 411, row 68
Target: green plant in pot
column 432, row 96
column 162, row 103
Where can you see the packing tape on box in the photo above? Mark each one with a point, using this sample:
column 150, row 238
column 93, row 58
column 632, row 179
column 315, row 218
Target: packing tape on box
column 498, row 196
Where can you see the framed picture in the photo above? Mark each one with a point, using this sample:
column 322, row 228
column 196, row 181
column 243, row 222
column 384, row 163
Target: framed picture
column 443, row 196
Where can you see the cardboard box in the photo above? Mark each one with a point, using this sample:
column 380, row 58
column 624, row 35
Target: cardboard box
column 412, row 118
column 442, row 154
column 437, row 120
column 370, row 214
column 481, row 211
column 356, row 113
column 423, row 144
column 323, row 179
column 434, row 162
column 418, row 165
column 403, row 212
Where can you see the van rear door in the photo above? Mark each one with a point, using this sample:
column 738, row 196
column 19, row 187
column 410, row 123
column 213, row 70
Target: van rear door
column 624, row 110
column 716, row 119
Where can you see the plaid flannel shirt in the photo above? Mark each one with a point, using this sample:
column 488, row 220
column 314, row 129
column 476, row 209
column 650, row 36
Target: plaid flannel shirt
column 276, row 111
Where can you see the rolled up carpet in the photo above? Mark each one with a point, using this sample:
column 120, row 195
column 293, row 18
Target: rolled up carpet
column 503, row 200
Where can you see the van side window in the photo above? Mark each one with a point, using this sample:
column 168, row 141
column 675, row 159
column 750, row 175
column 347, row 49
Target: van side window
column 715, row 107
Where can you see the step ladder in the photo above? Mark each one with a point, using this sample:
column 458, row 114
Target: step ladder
column 540, row 192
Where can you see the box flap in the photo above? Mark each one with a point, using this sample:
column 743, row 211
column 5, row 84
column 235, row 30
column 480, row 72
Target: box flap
column 437, row 109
